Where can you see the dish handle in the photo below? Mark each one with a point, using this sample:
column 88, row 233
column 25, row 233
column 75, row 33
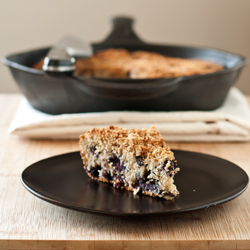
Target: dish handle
column 122, row 33
column 123, row 90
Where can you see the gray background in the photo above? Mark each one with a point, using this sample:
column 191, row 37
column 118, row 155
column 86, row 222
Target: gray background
column 29, row 24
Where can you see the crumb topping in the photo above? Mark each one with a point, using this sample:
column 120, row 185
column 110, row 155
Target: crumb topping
column 147, row 143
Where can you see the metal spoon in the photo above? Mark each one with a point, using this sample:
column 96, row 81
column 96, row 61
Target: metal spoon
column 61, row 57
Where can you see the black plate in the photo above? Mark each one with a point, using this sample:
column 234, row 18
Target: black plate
column 203, row 181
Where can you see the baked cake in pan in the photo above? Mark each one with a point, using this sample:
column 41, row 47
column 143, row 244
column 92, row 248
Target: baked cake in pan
column 137, row 160
column 120, row 63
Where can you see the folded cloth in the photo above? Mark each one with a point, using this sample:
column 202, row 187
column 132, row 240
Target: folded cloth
column 230, row 122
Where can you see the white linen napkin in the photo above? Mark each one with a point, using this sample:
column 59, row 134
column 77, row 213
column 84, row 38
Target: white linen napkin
column 230, row 122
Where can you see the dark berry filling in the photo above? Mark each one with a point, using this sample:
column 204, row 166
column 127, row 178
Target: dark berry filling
column 139, row 161
column 164, row 193
column 118, row 181
column 93, row 149
column 107, row 175
column 94, row 171
column 164, row 165
column 150, row 187
column 146, row 186
column 147, row 173
column 116, row 162
column 170, row 170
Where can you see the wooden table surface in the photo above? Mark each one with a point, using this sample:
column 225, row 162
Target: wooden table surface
column 26, row 222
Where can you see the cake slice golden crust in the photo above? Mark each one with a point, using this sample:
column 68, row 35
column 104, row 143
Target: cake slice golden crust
column 137, row 160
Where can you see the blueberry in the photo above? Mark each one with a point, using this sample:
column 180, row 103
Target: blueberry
column 147, row 173
column 135, row 185
column 164, row 164
column 106, row 175
column 93, row 149
column 116, row 162
column 152, row 186
column 122, row 167
column 119, row 182
column 165, row 193
column 139, row 161
column 172, row 166
column 94, row 171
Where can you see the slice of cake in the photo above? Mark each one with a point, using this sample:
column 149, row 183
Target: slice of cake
column 137, row 160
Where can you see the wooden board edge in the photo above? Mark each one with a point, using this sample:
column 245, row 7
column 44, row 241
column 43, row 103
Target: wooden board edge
column 124, row 244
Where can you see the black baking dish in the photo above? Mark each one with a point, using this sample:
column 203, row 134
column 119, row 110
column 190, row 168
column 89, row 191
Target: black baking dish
column 63, row 93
